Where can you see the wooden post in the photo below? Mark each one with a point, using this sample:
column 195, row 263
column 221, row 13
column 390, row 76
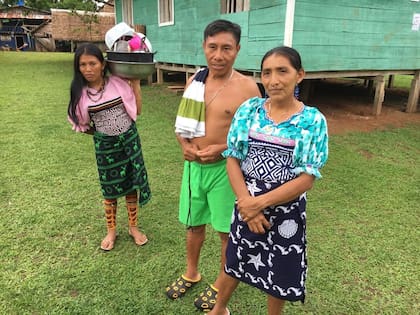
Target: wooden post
column 390, row 81
column 159, row 72
column 306, row 88
column 370, row 87
column 379, row 94
column 413, row 97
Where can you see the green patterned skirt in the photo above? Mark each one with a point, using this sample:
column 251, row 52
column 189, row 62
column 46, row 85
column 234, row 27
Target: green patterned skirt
column 120, row 165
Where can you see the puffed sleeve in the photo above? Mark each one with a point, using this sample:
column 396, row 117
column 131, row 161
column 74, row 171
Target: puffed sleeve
column 82, row 115
column 237, row 138
column 127, row 95
column 311, row 149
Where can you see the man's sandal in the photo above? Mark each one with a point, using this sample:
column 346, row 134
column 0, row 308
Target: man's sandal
column 180, row 286
column 207, row 299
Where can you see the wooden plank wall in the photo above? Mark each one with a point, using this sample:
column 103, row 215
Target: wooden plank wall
column 266, row 29
column 337, row 35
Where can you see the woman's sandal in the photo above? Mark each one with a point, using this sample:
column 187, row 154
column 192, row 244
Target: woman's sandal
column 109, row 245
column 137, row 241
column 207, row 299
column 180, row 286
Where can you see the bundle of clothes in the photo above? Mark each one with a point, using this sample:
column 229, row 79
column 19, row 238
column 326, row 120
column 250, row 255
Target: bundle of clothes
column 123, row 38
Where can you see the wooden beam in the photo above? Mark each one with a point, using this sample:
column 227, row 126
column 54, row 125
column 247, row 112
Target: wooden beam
column 353, row 74
column 306, row 89
column 159, row 74
column 150, row 79
column 413, row 97
column 390, row 81
column 379, row 95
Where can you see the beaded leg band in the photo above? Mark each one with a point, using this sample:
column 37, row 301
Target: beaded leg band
column 110, row 206
column 131, row 202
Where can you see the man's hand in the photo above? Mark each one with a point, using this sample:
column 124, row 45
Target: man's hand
column 190, row 151
column 211, row 153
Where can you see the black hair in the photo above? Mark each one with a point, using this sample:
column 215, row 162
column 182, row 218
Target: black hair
column 288, row 52
column 79, row 81
column 220, row 26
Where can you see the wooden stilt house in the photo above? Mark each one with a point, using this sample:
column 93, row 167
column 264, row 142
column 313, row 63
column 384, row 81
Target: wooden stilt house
column 370, row 39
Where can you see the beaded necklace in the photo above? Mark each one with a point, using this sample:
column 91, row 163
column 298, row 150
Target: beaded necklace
column 96, row 96
column 285, row 115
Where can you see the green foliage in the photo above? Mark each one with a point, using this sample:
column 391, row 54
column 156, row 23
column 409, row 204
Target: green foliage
column 8, row 2
column 362, row 216
column 85, row 5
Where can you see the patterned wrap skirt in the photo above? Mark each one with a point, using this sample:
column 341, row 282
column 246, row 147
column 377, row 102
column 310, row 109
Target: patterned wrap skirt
column 120, row 165
column 275, row 261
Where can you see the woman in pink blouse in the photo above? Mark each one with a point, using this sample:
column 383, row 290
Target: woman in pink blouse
column 107, row 107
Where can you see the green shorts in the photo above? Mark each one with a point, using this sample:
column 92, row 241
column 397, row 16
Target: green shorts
column 206, row 196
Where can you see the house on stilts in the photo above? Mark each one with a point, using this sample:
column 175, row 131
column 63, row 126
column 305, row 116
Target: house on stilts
column 369, row 39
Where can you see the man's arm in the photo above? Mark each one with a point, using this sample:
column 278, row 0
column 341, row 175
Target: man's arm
column 211, row 153
column 189, row 149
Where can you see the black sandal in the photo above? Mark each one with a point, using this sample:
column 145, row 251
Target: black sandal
column 207, row 299
column 179, row 287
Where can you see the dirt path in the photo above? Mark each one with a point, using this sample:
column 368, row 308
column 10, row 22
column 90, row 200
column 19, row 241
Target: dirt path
column 347, row 107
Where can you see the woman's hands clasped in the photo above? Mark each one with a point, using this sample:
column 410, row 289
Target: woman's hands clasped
column 250, row 210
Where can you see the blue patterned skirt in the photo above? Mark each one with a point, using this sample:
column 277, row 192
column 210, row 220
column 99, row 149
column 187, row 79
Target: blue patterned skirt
column 275, row 261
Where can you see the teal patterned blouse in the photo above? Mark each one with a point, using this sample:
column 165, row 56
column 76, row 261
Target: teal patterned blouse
column 306, row 131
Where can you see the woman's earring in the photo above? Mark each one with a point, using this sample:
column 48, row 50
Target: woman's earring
column 296, row 92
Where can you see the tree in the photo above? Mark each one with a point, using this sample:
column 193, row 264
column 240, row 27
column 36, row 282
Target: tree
column 84, row 5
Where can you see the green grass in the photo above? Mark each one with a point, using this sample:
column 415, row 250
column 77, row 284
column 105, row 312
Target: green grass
column 402, row 81
column 362, row 216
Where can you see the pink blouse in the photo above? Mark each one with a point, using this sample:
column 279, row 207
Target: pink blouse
column 114, row 88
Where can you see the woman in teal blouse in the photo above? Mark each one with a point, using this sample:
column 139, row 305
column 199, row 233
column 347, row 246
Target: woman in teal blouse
column 276, row 147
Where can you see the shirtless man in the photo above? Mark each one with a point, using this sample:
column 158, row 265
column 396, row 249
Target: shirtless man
column 206, row 195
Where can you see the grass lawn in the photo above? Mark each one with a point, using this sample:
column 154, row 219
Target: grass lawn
column 363, row 216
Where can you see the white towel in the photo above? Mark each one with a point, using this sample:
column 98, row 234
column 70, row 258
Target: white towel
column 190, row 120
